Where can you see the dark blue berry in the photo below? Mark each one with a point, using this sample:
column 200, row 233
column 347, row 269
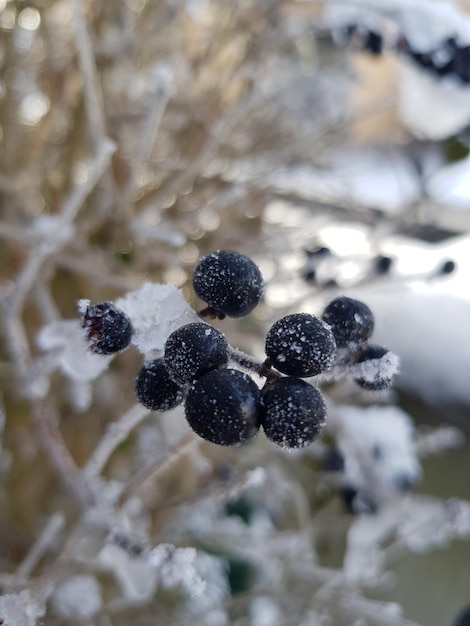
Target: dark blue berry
column 374, row 43
column 379, row 373
column 355, row 502
column 463, row 618
column 351, row 321
column 300, row 345
column 223, row 407
column 194, row 350
column 447, row 267
column 293, row 412
column 155, row 389
column 108, row 329
column 382, row 264
column 333, row 461
column 229, row 282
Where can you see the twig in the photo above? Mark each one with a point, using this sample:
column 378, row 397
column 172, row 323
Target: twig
column 157, row 467
column 216, row 135
column 50, row 245
column 116, row 434
column 92, row 91
column 58, row 453
column 47, row 537
column 143, row 150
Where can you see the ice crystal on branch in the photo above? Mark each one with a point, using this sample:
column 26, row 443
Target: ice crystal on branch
column 156, row 310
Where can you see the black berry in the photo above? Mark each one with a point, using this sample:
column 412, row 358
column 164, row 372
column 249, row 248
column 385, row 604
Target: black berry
column 351, row 321
column 155, row 389
column 293, row 412
column 463, row 619
column 378, row 366
column 194, row 350
column 447, row 267
column 382, row 264
column 108, row 329
column 300, row 345
column 223, row 407
column 229, row 282
column 374, row 43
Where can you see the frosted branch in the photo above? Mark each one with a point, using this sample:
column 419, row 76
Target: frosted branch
column 48, row 536
column 115, row 435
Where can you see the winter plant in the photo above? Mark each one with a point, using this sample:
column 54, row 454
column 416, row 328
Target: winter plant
column 199, row 420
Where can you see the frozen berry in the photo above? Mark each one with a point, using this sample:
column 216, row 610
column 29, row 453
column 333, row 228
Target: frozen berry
column 351, row 321
column 463, row 618
column 300, row 344
column 223, row 407
column 108, row 329
column 376, row 367
column 155, row 389
column 447, row 267
column 382, row 264
column 293, row 412
column 374, row 43
column 229, row 282
column 194, row 350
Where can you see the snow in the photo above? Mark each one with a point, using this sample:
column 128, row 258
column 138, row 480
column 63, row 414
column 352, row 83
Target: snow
column 425, row 322
column 379, row 450
column 431, row 107
column 66, row 339
column 156, row 310
column 20, row 609
column 78, row 598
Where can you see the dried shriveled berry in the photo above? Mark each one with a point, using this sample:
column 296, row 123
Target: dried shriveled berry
column 351, row 321
column 300, row 345
column 293, row 412
column 223, row 407
column 229, row 282
column 108, row 329
column 155, row 389
column 194, row 350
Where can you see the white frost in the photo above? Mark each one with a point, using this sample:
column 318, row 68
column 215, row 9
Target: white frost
column 155, row 310
column 78, row 597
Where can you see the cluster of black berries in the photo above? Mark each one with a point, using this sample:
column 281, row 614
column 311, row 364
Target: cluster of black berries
column 223, row 404
column 450, row 58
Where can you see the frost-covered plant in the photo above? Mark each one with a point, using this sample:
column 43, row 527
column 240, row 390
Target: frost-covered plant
column 139, row 137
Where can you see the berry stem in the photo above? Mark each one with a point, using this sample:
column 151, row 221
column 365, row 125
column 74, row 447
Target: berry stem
column 262, row 368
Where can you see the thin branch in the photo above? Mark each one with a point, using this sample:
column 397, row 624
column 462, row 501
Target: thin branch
column 48, row 536
column 92, row 91
column 143, row 150
column 216, row 135
column 57, row 451
column 116, row 434
column 159, row 466
column 69, row 210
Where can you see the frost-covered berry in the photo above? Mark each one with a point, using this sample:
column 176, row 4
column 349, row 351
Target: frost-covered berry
column 229, row 282
column 351, row 321
column 375, row 368
column 300, row 344
column 108, row 329
column 382, row 264
column 293, row 412
column 374, row 43
column 447, row 267
column 463, row 618
column 223, row 407
column 155, row 389
column 194, row 350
